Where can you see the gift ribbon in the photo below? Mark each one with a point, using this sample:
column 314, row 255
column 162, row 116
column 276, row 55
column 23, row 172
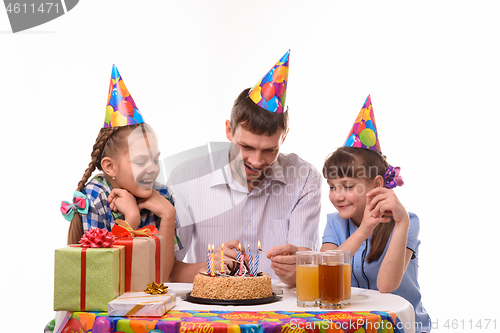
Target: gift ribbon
column 123, row 231
column 158, row 258
column 80, row 204
column 97, row 238
column 156, row 288
column 140, row 305
column 83, row 282
column 83, row 273
column 127, row 243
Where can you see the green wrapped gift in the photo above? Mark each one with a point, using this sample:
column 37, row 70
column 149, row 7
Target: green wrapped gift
column 87, row 279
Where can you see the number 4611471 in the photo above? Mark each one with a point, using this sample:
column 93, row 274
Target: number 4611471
column 44, row 7
column 471, row 324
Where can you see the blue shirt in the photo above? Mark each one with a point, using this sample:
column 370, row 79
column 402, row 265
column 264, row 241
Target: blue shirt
column 364, row 275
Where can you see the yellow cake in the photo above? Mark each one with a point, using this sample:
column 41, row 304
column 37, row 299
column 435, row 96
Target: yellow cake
column 232, row 287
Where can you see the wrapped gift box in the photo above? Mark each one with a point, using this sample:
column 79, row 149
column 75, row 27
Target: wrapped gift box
column 140, row 304
column 143, row 261
column 87, row 279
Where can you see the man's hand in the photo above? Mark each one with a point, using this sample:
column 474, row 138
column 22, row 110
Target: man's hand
column 283, row 262
column 230, row 253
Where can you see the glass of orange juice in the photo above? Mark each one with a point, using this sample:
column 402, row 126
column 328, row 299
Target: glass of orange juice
column 307, row 281
column 347, row 275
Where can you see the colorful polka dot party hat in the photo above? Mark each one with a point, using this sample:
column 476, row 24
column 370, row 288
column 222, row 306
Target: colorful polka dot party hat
column 364, row 132
column 120, row 109
column 270, row 92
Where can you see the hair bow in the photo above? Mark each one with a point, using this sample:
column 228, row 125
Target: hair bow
column 392, row 177
column 123, row 229
column 80, row 204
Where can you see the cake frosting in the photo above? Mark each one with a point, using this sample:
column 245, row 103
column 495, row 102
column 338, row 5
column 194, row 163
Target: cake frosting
column 232, row 287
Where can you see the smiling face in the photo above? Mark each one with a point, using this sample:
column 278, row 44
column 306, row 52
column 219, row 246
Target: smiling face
column 351, row 173
column 137, row 169
column 252, row 154
column 348, row 195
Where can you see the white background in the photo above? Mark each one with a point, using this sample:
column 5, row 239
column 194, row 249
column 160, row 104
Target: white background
column 431, row 67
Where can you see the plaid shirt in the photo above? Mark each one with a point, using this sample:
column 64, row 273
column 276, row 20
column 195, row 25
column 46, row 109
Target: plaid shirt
column 100, row 215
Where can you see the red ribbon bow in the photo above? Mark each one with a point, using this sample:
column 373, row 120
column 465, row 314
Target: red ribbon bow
column 123, row 229
column 96, row 238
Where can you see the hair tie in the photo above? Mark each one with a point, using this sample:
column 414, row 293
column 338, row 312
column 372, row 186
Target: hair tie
column 80, row 204
column 392, row 177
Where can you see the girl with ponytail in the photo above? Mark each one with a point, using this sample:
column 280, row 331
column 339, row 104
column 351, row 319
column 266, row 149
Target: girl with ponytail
column 371, row 222
column 127, row 155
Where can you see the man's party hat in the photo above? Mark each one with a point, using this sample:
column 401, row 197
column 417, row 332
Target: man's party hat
column 270, row 92
column 364, row 132
column 120, row 109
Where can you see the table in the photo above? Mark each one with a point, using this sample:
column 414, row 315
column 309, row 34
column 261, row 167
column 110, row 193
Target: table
column 376, row 310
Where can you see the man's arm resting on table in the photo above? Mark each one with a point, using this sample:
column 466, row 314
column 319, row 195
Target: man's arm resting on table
column 184, row 272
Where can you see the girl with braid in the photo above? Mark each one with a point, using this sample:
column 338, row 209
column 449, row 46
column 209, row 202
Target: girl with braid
column 371, row 222
column 126, row 152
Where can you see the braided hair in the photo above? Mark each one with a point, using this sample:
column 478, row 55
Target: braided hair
column 110, row 142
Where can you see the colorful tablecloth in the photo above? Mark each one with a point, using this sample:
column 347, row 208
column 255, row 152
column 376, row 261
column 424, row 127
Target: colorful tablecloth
column 189, row 321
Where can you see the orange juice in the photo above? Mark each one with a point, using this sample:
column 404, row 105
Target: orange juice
column 307, row 283
column 347, row 283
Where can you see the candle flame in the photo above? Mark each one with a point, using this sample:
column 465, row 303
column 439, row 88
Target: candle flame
column 222, row 246
column 239, row 247
column 209, row 248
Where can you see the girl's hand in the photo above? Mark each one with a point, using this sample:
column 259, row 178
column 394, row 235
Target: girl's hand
column 371, row 218
column 384, row 202
column 158, row 205
column 123, row 201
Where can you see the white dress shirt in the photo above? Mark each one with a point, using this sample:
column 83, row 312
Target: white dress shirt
column 213, row 208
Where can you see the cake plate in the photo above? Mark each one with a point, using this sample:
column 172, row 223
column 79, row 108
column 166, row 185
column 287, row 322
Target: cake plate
column 211, row 301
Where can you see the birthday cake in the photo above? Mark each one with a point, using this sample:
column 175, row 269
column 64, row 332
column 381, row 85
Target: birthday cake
column 232, row 287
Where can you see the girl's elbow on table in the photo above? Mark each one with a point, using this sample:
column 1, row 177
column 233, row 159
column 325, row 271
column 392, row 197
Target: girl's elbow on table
column 387, row 287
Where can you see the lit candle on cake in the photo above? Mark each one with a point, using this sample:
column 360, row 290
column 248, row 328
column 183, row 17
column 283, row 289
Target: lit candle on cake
column 208, row 260
column 250, row 260
column 212, row 261
column 222, row 259
column 238, row 258
column 256, row 266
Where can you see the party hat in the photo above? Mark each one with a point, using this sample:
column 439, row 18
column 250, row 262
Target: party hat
column 120, row 109
column 270, row 92
column 364, row 132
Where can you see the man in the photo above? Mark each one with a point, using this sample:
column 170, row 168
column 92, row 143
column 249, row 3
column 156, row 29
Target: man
column 249, row 192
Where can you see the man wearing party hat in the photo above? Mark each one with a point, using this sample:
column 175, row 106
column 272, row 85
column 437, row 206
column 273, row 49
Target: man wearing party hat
column 251, row 192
